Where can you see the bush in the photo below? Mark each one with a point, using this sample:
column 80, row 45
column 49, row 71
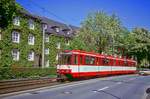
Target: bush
column 26, row 72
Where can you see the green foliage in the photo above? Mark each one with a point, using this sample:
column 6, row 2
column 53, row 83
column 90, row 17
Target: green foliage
column 7, row 45
column 54, row 40
column 7, row 8
column 136, row 43
column 77, row 44
column 99, row 31
column 26, row 72
column 103, row 33
column 144, row 63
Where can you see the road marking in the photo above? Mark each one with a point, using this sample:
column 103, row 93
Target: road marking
column 119, row 83
column 103, row 88
column 132, row 78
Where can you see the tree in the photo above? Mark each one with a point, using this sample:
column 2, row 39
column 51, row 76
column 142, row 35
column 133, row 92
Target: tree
column 137, row 44
column 7, row 10
column 100, row 31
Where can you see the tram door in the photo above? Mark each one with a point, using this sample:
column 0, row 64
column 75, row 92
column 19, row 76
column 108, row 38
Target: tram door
column 76, row 63
column 80, row 64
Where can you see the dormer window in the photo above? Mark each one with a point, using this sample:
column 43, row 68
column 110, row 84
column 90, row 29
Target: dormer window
column 16, row 21
column 57, row 29
column 68, row 32
column 45, row 26
column 31, row 24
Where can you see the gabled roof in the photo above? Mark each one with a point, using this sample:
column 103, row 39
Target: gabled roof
column 63, row 28
column 52, row 23
column 27, row 13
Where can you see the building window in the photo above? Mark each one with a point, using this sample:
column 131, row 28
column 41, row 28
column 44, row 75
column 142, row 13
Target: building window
column 0, row 36
column 31, row 56
column 15, row 54
column 15, row 37
column 45, row 26
column 47, row 63
column 58, row 45
column 16, row 21
column 46, row 51
column 57, row 56
column 67, row 42
column 68, row 32
column 31, row 24
column 31, row 39
column 46, row 38
column 57, row 29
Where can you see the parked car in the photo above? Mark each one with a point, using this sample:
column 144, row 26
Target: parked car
column 144, row 72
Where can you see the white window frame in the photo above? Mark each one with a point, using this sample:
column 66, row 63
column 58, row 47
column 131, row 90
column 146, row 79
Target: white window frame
column 46, row 51
column 31, row 39
column 57, row 56
column 15, row 54
column 58, row 45
column 31, row 24
column 15, row 37
column 47, row 38
column 16, row 21
column 31, row 56
column 67, row 42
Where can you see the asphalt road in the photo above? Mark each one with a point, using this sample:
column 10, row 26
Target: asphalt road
column 118, row 87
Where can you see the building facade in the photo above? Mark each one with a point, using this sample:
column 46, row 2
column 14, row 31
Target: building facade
column 21, row 43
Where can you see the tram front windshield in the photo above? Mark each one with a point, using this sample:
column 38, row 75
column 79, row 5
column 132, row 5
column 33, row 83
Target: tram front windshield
column 65, row 59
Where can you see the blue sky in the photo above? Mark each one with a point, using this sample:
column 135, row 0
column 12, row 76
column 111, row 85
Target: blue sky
column 133, row 13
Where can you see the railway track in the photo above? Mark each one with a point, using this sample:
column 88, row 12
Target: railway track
column 20, row 85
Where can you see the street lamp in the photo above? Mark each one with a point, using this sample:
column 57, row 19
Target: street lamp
column 44, row 27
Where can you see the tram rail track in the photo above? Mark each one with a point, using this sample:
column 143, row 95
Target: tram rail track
column 26, row 84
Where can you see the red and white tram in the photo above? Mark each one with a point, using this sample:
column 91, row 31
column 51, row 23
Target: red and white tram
column 80, row 64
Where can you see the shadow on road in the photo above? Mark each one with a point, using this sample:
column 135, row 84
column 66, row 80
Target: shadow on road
column 148, row 92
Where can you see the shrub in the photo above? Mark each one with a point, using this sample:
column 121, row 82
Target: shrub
column 26, row 72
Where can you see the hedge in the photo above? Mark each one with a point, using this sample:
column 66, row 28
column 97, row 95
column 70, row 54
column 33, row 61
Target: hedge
column 26, row 72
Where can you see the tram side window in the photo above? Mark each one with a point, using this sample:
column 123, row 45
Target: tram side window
column 68, row 59
column 106, row 61
column 75, row 59
column 65, row 59
column 92, row 62
column 97, row 61
column 89, row 60
column 81, row 60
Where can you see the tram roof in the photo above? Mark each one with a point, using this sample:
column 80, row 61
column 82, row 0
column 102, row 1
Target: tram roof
column 96, row 55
